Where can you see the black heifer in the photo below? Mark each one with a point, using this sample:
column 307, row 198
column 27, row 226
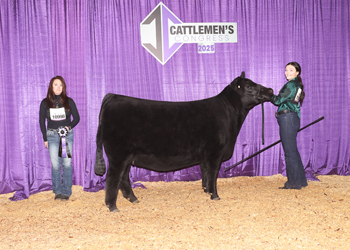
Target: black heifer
column 168, row 136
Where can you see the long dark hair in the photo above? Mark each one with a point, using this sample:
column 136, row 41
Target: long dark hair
column 298, row 69
column 51, row 98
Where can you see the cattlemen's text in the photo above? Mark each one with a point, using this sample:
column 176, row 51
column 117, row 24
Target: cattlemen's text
column 201, row 29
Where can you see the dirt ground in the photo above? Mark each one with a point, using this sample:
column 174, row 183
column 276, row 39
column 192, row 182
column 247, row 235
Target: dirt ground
column 252, row 214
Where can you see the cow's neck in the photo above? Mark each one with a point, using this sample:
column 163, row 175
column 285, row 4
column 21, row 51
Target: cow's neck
column 233, row 99
column 241, row 118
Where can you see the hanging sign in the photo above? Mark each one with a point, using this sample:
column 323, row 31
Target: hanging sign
column 163, row 33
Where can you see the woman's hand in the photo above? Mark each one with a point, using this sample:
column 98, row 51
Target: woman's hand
column 46, row 144
column 67, row 128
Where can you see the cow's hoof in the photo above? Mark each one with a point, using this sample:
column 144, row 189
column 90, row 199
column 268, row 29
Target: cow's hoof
column 217, row 198
column 115, row 210
column 100, row 172
column 133, row 200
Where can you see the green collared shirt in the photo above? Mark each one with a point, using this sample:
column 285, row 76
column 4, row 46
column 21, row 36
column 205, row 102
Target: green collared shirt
column 285, row 97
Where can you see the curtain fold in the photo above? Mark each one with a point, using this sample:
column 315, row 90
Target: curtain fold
column 96, row 47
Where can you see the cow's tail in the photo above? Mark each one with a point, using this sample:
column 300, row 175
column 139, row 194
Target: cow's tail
column 100, row 165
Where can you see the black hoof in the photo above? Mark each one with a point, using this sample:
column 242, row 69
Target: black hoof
column 215, row 198
column 100, row 173
column 115, row 210
column 284, row 187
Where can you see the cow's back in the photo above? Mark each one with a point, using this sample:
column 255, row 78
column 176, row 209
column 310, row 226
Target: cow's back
column 155, row 133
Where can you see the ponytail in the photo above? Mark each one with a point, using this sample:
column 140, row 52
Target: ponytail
column 302, row 96
column 298, row 69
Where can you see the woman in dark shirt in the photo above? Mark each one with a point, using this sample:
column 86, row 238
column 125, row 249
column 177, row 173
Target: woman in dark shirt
column 289, row 100
column 57, row 108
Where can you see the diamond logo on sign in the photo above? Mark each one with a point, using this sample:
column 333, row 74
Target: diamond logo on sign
column 162, row 34
column 155, row 35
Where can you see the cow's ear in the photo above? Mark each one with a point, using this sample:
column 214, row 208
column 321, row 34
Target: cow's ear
column 243, row 74
column 234, row 82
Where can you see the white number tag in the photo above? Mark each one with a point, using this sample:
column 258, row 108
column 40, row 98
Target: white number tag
column 57, row 114
column 297, row 96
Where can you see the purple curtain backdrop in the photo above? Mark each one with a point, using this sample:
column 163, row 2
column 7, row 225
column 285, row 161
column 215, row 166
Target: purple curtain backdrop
column 96, row 47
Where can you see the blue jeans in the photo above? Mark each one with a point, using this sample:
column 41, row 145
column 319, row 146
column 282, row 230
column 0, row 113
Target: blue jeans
column 60, row 185
column 289, row 124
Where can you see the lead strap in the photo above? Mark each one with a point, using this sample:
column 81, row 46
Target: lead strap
column 263, row 121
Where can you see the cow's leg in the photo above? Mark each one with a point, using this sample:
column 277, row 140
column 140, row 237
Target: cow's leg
column 213, row 171
column 126, row 187
column 113, row 182
column 204, row 170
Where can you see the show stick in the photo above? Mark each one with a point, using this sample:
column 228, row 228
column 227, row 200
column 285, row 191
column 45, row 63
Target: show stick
column 273, row 144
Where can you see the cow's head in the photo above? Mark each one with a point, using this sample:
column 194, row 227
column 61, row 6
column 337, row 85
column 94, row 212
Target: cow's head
column 251, row 93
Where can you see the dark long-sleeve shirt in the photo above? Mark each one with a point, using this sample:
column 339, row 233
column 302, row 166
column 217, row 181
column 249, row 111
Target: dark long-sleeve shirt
column 285, row 97
column 45, row 114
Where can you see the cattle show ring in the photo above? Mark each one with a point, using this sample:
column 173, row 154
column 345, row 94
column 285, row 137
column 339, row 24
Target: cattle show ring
column 174, row 124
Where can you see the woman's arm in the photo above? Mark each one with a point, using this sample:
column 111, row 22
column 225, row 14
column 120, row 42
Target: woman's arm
column 286, row 93
column 75, row 113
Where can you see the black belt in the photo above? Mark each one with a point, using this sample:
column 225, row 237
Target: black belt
column 56, row 130
column 283, row 112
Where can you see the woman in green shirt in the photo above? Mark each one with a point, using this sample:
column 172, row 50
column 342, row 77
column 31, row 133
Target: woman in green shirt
column 289, row 100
